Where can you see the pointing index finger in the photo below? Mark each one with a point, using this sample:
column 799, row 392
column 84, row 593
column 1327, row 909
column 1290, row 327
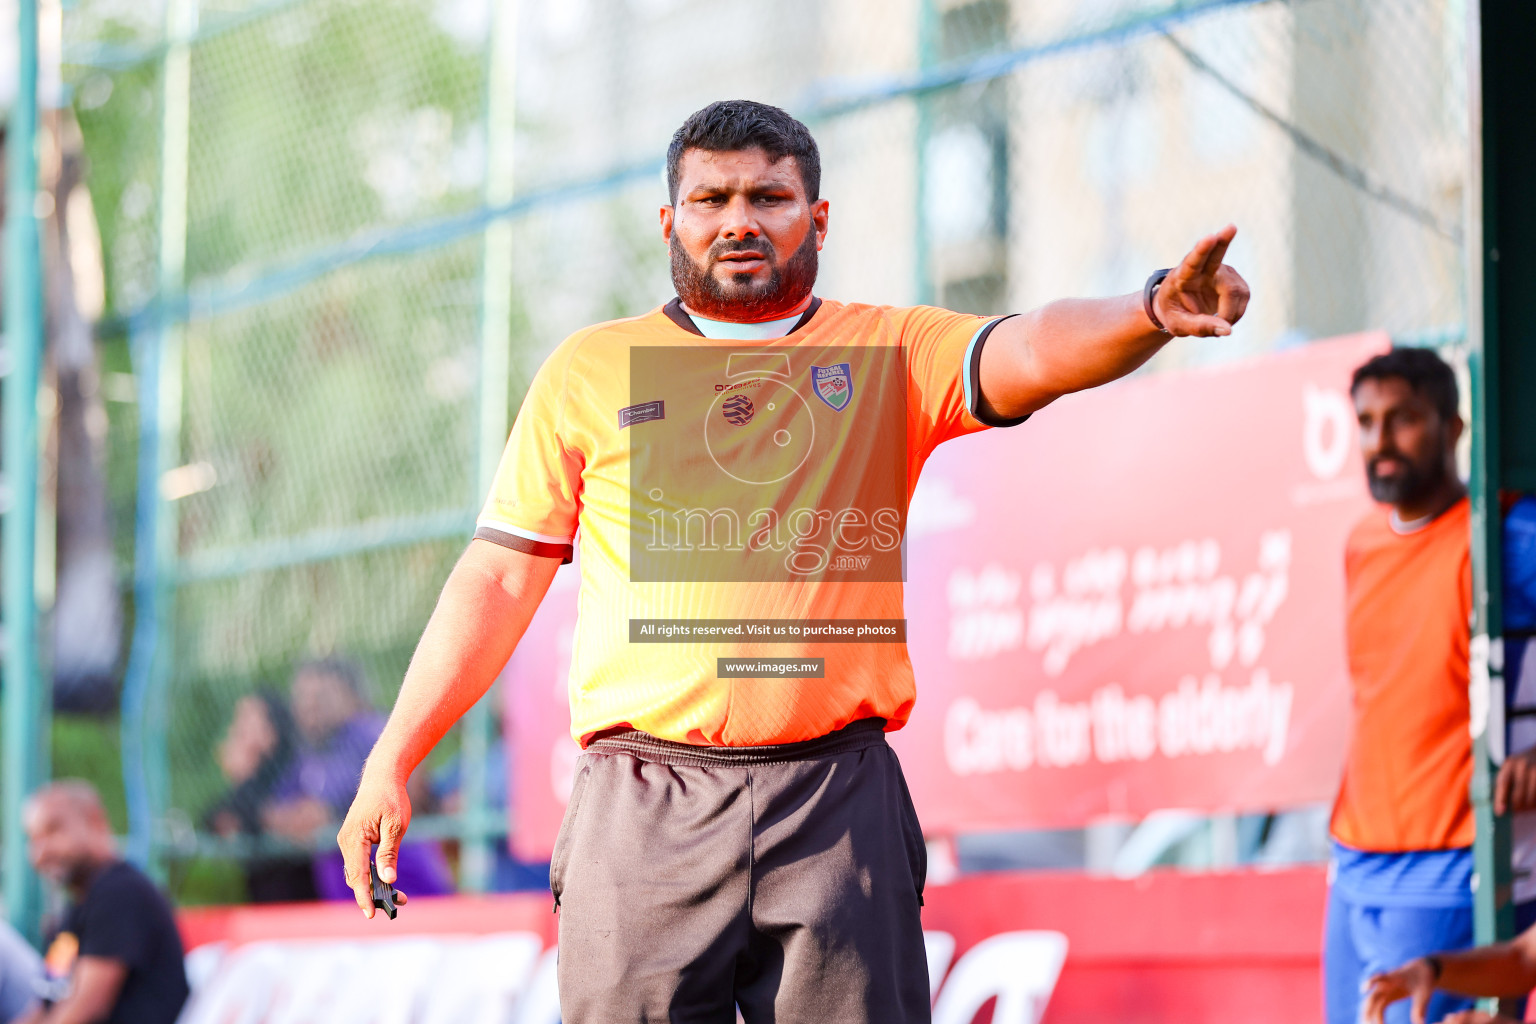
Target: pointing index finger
column 1218, row 252
column 1193, row 263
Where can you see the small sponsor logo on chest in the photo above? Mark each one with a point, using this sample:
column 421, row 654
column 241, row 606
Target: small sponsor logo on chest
column 642, row 413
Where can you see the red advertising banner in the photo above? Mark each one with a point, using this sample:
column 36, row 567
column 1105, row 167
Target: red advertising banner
column 1041, row 948
column 1132, row 602
column 1135, row 601
column 541, row 754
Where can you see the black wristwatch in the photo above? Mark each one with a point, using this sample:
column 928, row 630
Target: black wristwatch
column 1434, row 967
column 1150, row 290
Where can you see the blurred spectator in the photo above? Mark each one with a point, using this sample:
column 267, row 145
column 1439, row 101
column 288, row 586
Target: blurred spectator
column 116, row 956
column 337, row 727
column 1520, row 566
column 508, row 874
column 1402, row 824
column 255, row 754
column 21, row 969
column 1516, row 783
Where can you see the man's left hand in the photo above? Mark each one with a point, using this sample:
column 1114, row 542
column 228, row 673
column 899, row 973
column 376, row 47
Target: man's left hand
column 1515, row 788
column 1202, row 297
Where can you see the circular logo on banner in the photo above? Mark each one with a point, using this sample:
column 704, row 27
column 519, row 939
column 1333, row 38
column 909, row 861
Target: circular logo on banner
column 738, row 410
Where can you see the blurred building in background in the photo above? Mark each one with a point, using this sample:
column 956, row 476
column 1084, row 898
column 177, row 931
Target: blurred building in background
column 336, row 239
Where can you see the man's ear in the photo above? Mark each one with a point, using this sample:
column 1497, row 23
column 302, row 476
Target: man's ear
column 667, row 213
column 819, row 211
column 1453, row 429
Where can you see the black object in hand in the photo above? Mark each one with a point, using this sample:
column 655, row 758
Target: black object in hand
column 383, row 892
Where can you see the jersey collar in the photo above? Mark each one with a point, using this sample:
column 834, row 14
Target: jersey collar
column 675, row 312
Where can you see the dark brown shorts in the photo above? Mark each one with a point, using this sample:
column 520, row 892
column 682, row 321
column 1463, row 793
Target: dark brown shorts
column 785, row 880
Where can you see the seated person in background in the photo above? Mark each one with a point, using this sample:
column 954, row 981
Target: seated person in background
column 337, row 728
column 254, row 756
column 116, row 956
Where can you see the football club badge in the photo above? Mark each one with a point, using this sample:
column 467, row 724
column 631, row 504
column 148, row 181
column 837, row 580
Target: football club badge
column 834, row 385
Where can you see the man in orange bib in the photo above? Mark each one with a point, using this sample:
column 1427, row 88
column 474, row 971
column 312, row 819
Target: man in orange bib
column 1402, row 825
column 736, row 465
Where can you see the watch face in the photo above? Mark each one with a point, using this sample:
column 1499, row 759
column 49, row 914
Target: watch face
column 1149, row 294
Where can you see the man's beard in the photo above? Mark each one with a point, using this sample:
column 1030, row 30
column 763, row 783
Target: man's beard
column 788, row 283
column 1408, row 485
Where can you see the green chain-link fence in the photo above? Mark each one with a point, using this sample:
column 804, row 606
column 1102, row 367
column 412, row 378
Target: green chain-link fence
column 339, row 236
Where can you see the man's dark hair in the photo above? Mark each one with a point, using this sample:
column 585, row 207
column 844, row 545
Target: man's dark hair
column 744, row 124
column 1427, row 375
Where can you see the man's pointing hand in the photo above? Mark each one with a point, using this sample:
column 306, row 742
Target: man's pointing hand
column 1202, row 297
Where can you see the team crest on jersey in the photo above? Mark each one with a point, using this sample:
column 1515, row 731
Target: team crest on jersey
column 834, row 385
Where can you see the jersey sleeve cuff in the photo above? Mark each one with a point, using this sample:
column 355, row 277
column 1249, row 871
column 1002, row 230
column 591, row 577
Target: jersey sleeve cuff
column 972, row 376
column 526, row 541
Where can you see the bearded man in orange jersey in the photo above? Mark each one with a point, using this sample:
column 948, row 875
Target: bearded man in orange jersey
column 1402, row 824
column 738, row 463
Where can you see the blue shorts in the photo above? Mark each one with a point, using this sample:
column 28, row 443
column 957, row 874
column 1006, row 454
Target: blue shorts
column 1360, row 940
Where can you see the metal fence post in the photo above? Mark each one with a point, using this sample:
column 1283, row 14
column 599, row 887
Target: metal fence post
column 145, row 772
column 25, row 696
column 1501, row 261
column 924, row 291
column 476, row 830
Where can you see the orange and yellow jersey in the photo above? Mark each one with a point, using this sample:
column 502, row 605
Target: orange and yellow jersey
column 1409, row 602
column 729, row 482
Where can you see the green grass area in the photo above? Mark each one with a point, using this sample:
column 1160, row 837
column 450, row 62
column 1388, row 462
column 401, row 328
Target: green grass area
column 204, row 881
column 89, row 747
